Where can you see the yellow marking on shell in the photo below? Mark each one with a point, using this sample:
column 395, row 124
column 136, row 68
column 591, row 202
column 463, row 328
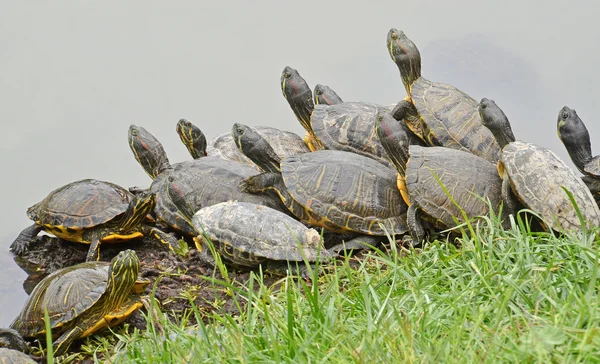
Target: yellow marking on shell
column 60, row 231
column 401, row 183
column 320, row 178
column 500, row 168
column 65, row 300
column 120, row 237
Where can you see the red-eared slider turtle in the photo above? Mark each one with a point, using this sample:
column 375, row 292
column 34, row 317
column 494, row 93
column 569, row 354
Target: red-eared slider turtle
column 337, row 190
column 83, row 299
column 192, row 137
column 92, row 212
column 538, row 177
column 424, row 173
column 450, row 116
column 247, row 235
column 576, row 138
column 204, row 181
column 348, row 126
column 324, row 95
column 13, row 348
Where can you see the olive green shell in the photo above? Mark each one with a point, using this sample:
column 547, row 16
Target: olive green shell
column 10, row 356
column 66, row 294
column 537, row 177
column 452, row 116
column 203, row 182
column 82, row 204
column 592, row 168
column 350, row 126
column 247, row 234
column 469, row 179
column 284, row 143
column 346, row 191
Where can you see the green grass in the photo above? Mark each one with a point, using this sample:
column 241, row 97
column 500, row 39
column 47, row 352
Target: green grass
column 501, row 296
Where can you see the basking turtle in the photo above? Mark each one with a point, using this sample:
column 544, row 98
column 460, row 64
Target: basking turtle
column 450, row 116
column 92, row 212
column 83, row 299
column 247, row 235
column 440, row 182
column 204, row 181
column 192, row 137
column 324, row 95
column 13, row 348
column 348, row 126
column 538, row 177
column 576, row 138
column 337, row 190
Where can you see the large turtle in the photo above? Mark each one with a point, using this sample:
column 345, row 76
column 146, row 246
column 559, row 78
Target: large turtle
column 204, row 181
column 441, row 182
column 13, row 348
column 538, row 177
column 450, row 116
column 82, row 299
column 340, row 191
column 348, row 126
column 92, row 212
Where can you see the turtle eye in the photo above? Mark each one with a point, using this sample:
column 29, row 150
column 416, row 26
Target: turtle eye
column 134, row 132
column 394, row 36
column 565, row 115
column 483, row 106
column 319, row 92
column 287, row 75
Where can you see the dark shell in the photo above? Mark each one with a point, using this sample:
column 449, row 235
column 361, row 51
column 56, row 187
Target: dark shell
column 454, row 119
column 350, row 126
column 348, row 189
column 205, row 182
column 259, row 231
column 468, row 178
column 81, row 204
column 537, row 176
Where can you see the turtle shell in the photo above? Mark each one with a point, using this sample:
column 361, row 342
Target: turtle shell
column 537, row 177
column 344, row 191
column 468, row 178
column 82, row 204
column 350, row 126
column 452, row 116
column 284, row 144
column 592, row 168
column 66, row 294
column 247, row 234
column 204, row 182
column 10, row 356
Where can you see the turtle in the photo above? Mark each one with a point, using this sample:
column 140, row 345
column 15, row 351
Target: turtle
column 204, row 181
column 538, row 177
column 92, row 212
column 83, row 299
column 192, row 137
column 13, row 348
column 440, row 182
column 337, row 190
column 450, row 116
column 347, row 126
column 248, row 235
column 324, row 95
column 576, row 138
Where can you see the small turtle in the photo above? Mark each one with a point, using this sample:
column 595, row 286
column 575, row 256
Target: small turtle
column 576, row 138
column 340, row 191
column 13, row 348
column 441, row 182
column 348, row 126
column 538, row 177
column 92, row 212
column 82, row 299
column 204, row 181
column 449, row 117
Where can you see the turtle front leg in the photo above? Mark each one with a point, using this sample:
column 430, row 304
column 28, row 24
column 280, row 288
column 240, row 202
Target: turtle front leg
column 169, row 239
column 94, row 250
column 417, row 233
column 362, row 242
column 21, row 243
column 62, row 344
column 511, row 204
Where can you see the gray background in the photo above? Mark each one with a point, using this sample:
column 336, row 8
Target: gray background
column 76, row 74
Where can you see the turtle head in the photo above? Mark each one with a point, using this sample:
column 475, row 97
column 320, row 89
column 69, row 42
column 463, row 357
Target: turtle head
column 575, row 136
column 140, row 206
column 324, row 95
column 122, row 276
column 496, row 121
column 147, row 150
column 256, row 148
column 11, row 339
column 406, row 56
column 192, row 137
column 393, row 137
column 298, row 94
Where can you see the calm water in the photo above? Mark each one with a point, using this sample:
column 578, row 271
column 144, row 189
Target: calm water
column 75, row 77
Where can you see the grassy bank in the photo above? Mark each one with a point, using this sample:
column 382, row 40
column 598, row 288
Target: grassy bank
column 500, row 296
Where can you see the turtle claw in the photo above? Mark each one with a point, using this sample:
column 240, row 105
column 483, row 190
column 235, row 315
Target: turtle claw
column 21, row 243
column 246, row 185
